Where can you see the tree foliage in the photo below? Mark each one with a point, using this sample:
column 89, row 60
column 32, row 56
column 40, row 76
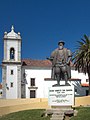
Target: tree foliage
column 82, row 56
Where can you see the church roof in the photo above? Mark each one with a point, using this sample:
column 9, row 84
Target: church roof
column 85, row 85
column 36, row 63
column 12, row 34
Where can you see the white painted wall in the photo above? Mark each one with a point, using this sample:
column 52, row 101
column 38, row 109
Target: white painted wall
column 82, row 76
column 42, row 91
column 39, row 76
column 48, row 84
column 11, row 92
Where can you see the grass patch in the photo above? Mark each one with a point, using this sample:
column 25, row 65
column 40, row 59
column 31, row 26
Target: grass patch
column 35, row 114
column 26, row 115
column 83, row 114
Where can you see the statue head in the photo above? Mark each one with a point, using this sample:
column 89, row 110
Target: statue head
column 61, row 44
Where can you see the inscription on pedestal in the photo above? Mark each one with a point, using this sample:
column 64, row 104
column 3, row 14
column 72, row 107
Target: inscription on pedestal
column 61, row 96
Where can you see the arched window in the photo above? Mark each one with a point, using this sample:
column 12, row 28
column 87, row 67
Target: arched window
column 12, row 53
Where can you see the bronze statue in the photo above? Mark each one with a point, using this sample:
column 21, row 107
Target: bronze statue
column 60, row 59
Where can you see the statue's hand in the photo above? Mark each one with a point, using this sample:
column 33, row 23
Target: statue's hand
column 68, row 61
column 47, row 58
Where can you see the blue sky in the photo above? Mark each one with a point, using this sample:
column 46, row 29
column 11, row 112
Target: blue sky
column 42, row 23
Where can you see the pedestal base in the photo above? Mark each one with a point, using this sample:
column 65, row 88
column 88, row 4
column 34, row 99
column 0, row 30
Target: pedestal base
column 60, row 112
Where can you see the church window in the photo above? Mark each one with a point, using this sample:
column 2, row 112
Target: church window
column 87, row 80
column 32, row 81
column 12, row 53
column 11, row 84
column 11, row 72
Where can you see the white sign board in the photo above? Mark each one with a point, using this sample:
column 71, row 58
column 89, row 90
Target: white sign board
column 61, row 96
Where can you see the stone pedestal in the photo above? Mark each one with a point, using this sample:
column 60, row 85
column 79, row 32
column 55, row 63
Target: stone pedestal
column 61, row 99
column 60, row 112
column 61, row 96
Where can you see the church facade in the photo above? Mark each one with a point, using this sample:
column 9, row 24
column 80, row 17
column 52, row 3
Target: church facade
column 27, row 78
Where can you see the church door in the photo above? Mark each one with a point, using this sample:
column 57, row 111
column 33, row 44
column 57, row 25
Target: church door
column 32, row 93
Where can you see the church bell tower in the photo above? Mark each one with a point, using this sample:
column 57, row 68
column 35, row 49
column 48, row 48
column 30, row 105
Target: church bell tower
column 11, row 65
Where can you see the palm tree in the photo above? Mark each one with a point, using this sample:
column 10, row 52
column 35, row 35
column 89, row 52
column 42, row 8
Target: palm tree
column 82, row 57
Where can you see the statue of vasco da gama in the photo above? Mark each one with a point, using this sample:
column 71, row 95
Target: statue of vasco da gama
column 61, row 58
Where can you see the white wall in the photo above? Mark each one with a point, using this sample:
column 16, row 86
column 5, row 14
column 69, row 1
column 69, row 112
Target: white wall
column 42, row 91
column 82, row 76
column 11, row 92
column 39, row 76
column 48, row 84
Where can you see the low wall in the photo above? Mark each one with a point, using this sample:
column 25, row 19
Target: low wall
column 14, row 105
column 82, row 101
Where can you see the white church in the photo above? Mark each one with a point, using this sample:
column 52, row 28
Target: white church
column 28, row 78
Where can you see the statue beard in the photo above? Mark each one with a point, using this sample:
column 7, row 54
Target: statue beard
column 60, row 47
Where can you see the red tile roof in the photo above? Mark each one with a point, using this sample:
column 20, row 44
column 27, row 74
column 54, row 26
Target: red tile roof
column 36, row 63
column 85, row 85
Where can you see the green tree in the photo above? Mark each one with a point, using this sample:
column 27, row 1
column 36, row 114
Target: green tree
column 82, row 57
